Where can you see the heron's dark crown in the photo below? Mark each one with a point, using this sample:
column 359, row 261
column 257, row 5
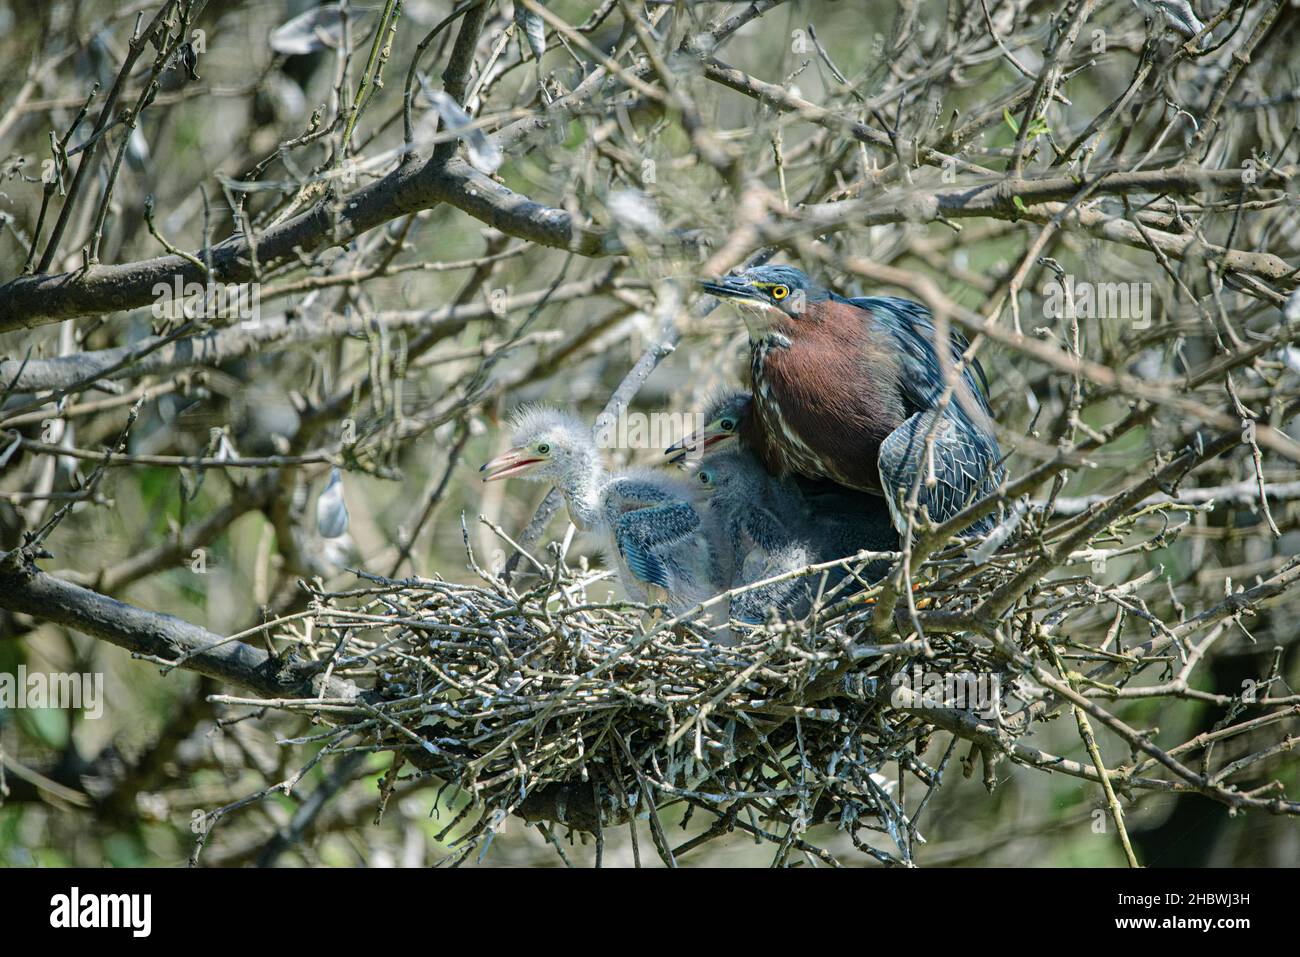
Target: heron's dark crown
column 790, row 276
column 773, row 284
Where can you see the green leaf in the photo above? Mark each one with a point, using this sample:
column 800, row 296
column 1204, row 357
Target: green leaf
column 1020, row 204
column 1010, row 120
column 49, row 726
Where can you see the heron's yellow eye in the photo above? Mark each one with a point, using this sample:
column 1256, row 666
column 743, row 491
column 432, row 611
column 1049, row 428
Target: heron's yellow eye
column 780, row 292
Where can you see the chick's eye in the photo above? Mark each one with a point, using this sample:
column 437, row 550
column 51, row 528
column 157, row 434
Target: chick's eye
column 780, row 292
column 727, row 424
column 543, row 448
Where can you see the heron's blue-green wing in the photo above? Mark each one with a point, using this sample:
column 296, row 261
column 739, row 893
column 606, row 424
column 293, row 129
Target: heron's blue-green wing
column 921, row 374
column 964, row 466
column 645, row 536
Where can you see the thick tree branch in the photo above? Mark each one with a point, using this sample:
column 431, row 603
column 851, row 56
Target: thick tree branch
column 31, row 301
column 153, row 634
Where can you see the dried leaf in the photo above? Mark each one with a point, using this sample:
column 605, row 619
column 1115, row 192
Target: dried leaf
column 634, row 210
column 484, row 155
column 318, row 29
column 331, row 509
column 533, row 29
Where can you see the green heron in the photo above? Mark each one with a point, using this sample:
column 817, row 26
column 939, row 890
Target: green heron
column 834, row 520
column 757, row 520
column 848, row 390
column 666, row 549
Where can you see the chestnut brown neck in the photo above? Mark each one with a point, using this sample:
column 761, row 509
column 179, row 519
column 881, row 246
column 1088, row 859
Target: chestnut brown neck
column 825, row 396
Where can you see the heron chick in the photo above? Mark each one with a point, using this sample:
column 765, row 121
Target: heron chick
column 831, row 520
column 757, row 519
column 664, row 545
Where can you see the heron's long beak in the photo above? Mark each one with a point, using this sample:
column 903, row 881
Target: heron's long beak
column 699, row 442
column 735, row 288
column 511, row 462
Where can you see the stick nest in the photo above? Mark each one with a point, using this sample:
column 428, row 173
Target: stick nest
column 552, row 704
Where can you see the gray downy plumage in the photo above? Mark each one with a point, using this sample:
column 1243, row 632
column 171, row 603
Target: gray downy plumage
column 759, row 520
column 648, row 521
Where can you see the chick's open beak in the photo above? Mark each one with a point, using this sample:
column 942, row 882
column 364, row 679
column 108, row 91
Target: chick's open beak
column 511, row 462
column 694, row 442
